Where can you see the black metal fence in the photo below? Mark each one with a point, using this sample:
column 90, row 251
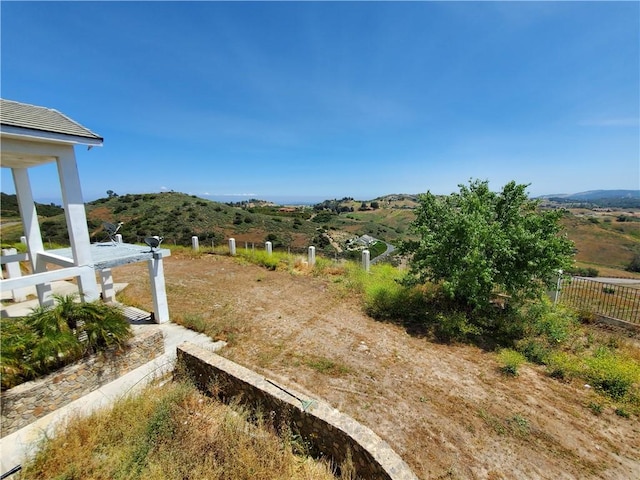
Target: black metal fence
column 608, row 299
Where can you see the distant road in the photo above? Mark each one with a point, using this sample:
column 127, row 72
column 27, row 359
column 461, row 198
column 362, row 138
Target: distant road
column 615, row 280
column 390, row 249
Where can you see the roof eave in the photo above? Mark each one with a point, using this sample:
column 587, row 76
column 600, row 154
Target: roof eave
column 32, row 134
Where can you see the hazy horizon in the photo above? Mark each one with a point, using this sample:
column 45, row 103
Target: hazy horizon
column 286, row 199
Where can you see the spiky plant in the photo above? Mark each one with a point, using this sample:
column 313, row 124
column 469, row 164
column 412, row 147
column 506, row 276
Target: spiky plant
column 16, row 345
column 105, row 325
column 53, row 336
column 57, row 343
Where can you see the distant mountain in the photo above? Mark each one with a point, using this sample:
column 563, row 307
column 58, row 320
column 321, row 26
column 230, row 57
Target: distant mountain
column 599, row 198
column 601, row 194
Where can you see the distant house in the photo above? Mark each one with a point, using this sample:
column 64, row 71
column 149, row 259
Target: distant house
column 360, row 243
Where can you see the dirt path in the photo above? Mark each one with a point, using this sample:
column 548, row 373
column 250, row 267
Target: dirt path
column 447, row 410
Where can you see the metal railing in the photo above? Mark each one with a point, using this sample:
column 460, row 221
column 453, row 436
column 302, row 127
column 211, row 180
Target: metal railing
column 608, row 299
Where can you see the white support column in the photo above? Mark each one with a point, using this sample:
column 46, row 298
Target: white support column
column 76, row 221
column 268, row 246
column 31, row 228
column 232, row 246
column 13, row 271
column 312, row 256
column 158, row 290
column 28, row 213
column 195, row 244
column 106, row 282
column 366, row 260
column 119, row 237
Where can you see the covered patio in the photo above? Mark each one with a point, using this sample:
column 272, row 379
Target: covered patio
column 32, row 136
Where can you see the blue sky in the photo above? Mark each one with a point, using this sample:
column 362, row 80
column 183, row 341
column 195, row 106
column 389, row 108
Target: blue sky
column 332, row 99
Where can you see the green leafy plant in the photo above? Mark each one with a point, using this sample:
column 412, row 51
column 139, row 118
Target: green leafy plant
column 476, row 242
column 613, row 374
column 511, row 361
column 54, row 336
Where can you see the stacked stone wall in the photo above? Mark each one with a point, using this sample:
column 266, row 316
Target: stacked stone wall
column 326, row 431
column 29, row 401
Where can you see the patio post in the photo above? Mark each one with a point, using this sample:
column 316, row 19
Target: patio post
column 158, row 290
column 31, row 227
column 76, row 221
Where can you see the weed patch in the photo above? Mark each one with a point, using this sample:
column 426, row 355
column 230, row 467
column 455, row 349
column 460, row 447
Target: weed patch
column 511, row 361
column 326, row 366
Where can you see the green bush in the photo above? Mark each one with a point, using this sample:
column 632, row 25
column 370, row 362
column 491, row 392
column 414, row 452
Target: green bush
column 555, row 324
column 393, row 301
column 634, row 265
column 454, row 325
column 535, row 350
column 511, row 361
column 612, row 373
column 563, row 365
column 51, row 337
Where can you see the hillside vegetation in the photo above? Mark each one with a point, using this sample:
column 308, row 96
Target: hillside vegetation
column 605, row 238
column 9, row 208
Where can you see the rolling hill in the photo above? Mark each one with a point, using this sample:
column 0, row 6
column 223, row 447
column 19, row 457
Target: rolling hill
column 604, row 239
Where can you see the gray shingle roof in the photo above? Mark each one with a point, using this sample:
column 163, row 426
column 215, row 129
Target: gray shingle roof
column 31, row 117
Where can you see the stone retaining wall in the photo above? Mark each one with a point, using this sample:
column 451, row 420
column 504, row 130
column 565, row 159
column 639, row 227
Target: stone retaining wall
column 29, row 401
column 327, row 431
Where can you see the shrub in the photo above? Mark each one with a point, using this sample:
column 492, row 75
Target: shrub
column 555, row 324
column 392, row 301
column 583, row 271
column 634, row 265
column 535, row 350
column 454, row 325
column 51, row 337
column 477, row 242
column 511, row 361
column 563, row 366
column 612, row 374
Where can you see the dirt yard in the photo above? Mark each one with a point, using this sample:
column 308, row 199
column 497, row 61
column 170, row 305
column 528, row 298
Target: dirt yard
column 447, row 410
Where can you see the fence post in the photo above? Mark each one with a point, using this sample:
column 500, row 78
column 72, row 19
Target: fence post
column 366, row 260
column 268, row 246
column 312, row 256
column 106, row 284
column 23, row 240
column 556, row 294
column 195, row 243
column 232, row 247
column 118, row 237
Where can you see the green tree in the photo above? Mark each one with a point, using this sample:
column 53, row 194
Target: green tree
column 477, row 242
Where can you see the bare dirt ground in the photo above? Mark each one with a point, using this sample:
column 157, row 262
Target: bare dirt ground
column 446, row 409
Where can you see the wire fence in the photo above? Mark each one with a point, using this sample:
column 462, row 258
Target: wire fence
column 609, row 299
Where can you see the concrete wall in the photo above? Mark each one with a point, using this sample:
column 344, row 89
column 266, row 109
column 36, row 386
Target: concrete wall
column 327, row 431
column 29, row 401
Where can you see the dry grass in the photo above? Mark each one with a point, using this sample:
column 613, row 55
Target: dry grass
column 604, row 245
column 173, row 432
column 423, row 398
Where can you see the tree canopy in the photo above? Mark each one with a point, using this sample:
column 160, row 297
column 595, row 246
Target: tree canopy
column 477, row 242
